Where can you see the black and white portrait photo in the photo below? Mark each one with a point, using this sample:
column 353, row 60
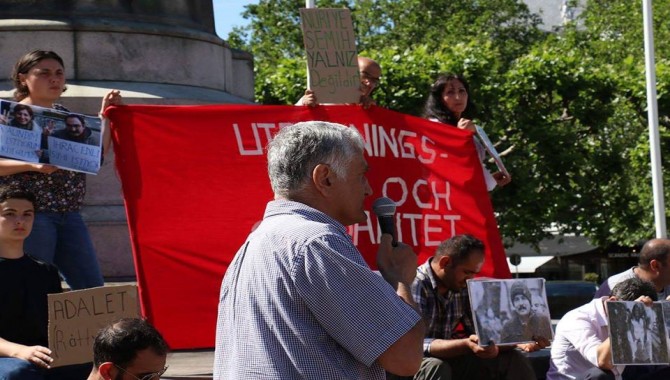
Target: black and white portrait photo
column 510, row 311
column 638, row 333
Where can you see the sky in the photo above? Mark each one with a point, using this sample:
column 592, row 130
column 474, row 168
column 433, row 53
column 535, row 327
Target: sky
column 227, row 14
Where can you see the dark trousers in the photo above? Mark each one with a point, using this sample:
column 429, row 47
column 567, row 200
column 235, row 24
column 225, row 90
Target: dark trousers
column 596, row 374
column 509, row 365
column 630, row 373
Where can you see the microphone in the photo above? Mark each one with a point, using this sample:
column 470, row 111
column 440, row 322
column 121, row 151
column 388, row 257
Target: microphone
column 384, row 208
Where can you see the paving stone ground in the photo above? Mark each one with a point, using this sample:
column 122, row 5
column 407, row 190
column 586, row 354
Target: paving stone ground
column 190, row 365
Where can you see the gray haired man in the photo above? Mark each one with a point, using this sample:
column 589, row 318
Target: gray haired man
column 298, row 300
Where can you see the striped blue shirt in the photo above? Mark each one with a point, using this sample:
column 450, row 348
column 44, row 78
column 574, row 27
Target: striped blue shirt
column 441, row 314
column 299, row 302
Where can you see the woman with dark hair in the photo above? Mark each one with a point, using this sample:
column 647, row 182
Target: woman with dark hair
column 22, row 117
column 449, row 103
column 59, row 234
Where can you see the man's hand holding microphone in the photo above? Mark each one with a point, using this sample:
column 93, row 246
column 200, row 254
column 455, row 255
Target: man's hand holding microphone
column 395, row 260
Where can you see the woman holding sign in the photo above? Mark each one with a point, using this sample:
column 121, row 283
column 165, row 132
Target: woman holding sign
column 448, row 103
column 59, row 234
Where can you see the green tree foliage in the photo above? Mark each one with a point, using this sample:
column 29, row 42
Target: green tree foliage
column 424, row 32
column 571, row 104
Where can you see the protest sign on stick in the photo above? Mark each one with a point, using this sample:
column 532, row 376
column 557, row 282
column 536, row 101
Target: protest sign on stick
column 332, row 59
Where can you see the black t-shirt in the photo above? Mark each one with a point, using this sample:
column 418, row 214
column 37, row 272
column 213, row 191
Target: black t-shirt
column 24, row 285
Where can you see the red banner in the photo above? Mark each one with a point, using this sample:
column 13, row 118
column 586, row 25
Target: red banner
column 195, row 183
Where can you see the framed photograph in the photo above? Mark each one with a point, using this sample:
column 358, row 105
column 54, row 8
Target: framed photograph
column 638, row 332
column 509, row 311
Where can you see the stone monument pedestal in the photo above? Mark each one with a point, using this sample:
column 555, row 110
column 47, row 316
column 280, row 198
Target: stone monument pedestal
column 156, row 52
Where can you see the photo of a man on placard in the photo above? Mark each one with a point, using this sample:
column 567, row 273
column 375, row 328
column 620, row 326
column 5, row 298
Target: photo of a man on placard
column 510, row 311
column 76, row 130
column 525, row 323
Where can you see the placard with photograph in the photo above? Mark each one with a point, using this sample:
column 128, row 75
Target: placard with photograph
column 488, row 145
column 509, row 311
column 638, row 332
column 49, row 136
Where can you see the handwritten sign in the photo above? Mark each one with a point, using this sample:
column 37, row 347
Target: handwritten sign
column 19, row 143
column 332, row 60
column 76, row 156
column 50, row 136
column 76, row 317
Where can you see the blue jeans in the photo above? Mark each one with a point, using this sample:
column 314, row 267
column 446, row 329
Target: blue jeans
column 19, row 369
column 62, row 239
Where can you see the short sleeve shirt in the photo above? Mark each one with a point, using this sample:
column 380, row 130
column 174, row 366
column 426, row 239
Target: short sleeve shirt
column 24, row 286
column 442, row 314
column 299, row 301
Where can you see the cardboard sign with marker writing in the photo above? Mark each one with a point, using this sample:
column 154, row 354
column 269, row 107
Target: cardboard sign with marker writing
column 76, row 317
column 332, row 59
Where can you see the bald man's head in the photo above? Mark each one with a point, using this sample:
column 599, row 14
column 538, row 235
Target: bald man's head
column 370, row 74
column 654, row 249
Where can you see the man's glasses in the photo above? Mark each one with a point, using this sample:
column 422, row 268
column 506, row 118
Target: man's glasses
column 371, row 81
column 146, row 376
column 73, row 125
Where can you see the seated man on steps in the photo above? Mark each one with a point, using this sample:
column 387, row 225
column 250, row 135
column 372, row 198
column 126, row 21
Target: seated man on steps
column 129, row 349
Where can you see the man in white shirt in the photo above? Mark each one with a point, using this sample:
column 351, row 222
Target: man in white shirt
column 581, row 348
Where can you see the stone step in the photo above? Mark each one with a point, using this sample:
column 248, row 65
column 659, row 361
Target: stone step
column 190, row 364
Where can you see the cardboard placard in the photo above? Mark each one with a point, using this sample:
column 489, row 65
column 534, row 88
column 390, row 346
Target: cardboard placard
column 332, row 59
column 76, row 317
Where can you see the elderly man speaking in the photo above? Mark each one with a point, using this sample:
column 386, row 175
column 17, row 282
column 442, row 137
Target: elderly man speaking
column 298, row 301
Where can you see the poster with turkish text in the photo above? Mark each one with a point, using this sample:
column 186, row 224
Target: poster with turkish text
column 75, row 317
column 332, row 60
column 40, row 135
